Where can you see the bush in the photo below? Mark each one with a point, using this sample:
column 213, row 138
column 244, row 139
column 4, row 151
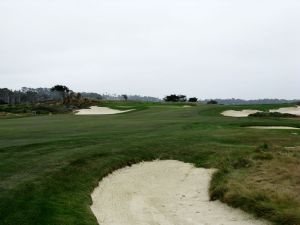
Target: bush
column 263, row 156
column 241, row 163
column 194, row 99
column 212, row 102
column 271, row 114
column 43, row 109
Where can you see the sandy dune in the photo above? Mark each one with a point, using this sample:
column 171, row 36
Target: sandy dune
column 162, row 193
column 96, row 110
column 242, row 113
column 274, row 127
column 290, row 110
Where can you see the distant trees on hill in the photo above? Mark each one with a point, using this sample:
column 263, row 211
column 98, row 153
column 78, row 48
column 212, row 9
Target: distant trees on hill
column 234, row 101
column 16, row 97
column 60, row 92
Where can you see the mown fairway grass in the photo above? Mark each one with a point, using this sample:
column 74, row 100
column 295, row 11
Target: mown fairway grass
column 49, row 165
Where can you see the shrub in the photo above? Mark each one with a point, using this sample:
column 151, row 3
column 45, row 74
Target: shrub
column 263, row 156
column 271, row 114
column 194, row 99
column 241, row 163
column 212, row 102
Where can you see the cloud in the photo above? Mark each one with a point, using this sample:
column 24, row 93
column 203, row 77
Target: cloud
column 217, row 48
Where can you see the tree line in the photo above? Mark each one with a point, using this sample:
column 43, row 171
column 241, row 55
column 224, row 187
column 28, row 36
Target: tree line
column 32, row 95
column 61, row 93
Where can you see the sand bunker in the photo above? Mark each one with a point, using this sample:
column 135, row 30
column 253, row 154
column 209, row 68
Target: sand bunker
column 274, row 127
column 289, row 110
column 293, row 148
column 242, row 113
column 163, row 193
column 96, row 110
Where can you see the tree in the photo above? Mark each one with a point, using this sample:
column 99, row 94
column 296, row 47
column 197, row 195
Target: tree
column 193, row 99
column 212, row 102
column 31, row 96
column 125, row 97
column 171, row 98
column 78, row 96
column 175, row 98
column 63, row 90
column 182, row 98
column 5, row 95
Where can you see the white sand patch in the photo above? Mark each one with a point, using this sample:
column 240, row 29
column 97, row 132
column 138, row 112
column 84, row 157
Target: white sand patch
column 293, row 147
column 274, row 127
column 242, row 113
column 187, row 106
column 96, row 110
column 162, row 193
column 289, row 110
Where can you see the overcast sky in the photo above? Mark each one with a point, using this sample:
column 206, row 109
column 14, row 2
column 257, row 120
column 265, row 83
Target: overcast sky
column 205, row 48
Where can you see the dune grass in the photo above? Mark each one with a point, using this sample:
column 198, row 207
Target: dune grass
column 49, row 165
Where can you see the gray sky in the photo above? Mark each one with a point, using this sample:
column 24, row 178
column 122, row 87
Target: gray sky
column 204, row 48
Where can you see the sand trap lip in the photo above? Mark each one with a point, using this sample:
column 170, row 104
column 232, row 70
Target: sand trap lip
column 289, row 110
column 242, row 113
column 96, row 110
column 293, row 147
column 164, row 192
column 274, row 127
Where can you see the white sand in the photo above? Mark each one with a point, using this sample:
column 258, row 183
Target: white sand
column 162, row 193
column 96, row 110
column 293, row 147
column 290, row 110
column 187, row 106
column 242, row 113
column 274, row 127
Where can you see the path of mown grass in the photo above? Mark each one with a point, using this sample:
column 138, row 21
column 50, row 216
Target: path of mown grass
column 50, row 164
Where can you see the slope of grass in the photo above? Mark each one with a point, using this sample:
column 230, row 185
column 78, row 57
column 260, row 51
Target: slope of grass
column 49, row 165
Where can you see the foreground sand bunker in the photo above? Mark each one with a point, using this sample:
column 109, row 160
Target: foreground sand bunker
column 162, row 193
column 274, row 128
column 242, row 113
column 96, row 110
column 289, row 110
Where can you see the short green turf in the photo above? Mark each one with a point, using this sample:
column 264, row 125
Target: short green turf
column 49, row 165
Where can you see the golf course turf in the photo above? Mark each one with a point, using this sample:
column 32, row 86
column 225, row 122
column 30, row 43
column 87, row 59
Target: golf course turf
column 49, row 165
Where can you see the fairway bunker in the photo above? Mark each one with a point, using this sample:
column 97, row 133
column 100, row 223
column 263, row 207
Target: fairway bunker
column 164, row 192
column 242, row 113
column 289, row 110
column 274, row 127
column 96, row 110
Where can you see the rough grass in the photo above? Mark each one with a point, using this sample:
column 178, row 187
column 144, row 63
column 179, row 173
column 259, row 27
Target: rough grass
column 50, row 164
column 272, row 114
column 269, row 187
